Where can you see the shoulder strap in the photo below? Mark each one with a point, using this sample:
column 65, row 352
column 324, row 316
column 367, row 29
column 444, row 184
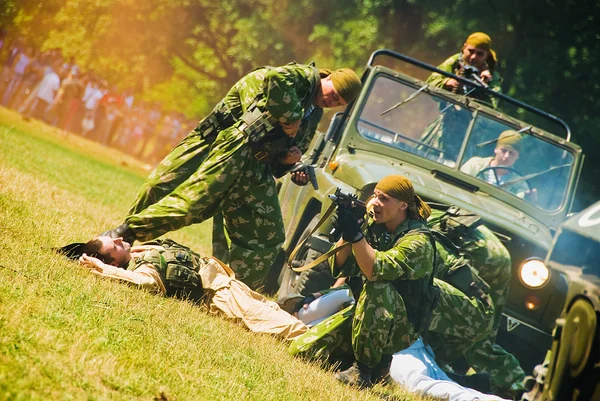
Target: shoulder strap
column 321, row 258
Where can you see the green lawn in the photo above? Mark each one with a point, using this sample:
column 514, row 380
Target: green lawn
column 67, row 335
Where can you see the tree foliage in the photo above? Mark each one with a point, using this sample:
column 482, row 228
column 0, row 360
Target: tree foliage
column 187, row 53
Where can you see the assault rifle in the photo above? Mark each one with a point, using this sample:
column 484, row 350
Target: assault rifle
column 348, row 201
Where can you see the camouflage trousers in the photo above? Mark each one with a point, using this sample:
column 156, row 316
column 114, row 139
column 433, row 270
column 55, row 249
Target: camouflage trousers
column 202, row 177
column 493, row 262
column 458, row 322
column 378, row 324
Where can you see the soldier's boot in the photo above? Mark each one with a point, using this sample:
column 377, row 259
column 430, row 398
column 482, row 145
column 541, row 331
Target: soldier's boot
column 289, row 302
column 358, row 375
column 123, row 231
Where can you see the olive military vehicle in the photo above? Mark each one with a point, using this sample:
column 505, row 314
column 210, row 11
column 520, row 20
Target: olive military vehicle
column 388, row 130
column 571, row 370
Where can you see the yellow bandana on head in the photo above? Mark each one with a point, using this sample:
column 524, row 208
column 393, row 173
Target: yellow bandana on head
column 512, row 139
column 400, row 187
column 480, row 40
column 346, row 83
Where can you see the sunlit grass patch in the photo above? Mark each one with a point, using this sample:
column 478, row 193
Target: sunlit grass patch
column 67, row 335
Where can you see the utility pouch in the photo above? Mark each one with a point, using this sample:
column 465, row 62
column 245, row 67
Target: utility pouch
column 208, row 126
column 431, row 296
column 180, row 272
column 256, row 125
column 220, row 118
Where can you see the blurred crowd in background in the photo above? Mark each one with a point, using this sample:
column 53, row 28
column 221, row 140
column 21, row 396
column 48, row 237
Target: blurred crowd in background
column 46, row 86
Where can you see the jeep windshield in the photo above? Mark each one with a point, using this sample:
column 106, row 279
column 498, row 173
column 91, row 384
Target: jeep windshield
column 498, row 154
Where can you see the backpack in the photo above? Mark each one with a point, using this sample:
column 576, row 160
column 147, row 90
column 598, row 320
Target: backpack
column 450, row 229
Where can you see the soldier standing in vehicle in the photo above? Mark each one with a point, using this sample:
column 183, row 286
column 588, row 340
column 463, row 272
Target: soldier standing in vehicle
column 476, row 53
column 476, row 61
column 226, row 165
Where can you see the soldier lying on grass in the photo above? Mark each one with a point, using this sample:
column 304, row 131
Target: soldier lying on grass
column 168, row 268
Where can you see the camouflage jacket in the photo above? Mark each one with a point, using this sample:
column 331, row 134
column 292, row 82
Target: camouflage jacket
column 287, row 93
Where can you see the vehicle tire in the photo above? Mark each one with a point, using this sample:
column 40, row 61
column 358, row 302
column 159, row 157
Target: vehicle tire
column 313, row 280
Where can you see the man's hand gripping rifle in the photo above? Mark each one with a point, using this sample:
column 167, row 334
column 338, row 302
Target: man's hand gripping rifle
column 350, row 216
column 472, row 73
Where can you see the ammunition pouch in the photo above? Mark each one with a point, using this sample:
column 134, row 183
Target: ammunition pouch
column 265, row 137
column 256, row 125
column 220, row 118
column 420, row 299
column 420, row 296
column 178, row 267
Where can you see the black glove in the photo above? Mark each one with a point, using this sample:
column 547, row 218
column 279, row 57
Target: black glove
column 123, row 231
column 306, row 300
column 349, row 224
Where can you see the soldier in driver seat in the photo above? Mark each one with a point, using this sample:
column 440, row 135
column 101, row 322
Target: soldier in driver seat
column 498, row 169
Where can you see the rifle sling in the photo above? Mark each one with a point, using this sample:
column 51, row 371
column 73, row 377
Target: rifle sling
column 321, row 258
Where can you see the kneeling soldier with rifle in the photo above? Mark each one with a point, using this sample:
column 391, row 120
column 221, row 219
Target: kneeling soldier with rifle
column 394, row 261
column 398, row 297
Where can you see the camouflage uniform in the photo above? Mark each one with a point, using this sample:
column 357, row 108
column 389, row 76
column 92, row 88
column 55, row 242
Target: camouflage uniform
column 215, row 170
column 380, row 321
column 448, row 130
column 492, row 261
column 459, row 320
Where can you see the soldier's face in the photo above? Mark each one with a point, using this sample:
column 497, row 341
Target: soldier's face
column 505, row 156
column 474, row 56
column 387, row 210
column 117, row 249
column 328, row 96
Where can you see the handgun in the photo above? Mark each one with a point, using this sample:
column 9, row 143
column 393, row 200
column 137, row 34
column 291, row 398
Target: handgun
column 309, row 170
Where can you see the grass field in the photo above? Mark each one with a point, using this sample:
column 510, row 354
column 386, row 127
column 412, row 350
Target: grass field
column 66, row 335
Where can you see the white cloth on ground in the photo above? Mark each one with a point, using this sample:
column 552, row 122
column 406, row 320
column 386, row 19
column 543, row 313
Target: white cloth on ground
column 415, row 368
column 325, row 306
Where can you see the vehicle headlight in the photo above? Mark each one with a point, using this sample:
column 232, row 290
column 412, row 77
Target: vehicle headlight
column 534, row 273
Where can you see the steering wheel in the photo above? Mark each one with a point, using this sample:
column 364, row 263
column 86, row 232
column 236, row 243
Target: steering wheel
column 481, row 176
